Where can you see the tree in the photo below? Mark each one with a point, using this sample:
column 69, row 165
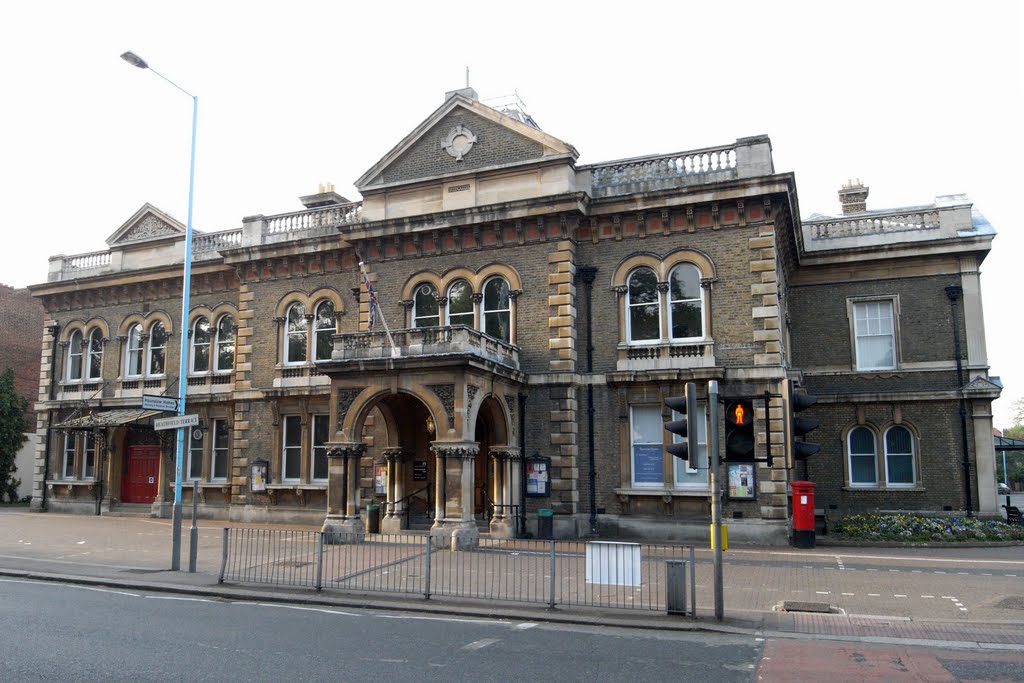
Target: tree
column 13, row 426
column 1017, row 430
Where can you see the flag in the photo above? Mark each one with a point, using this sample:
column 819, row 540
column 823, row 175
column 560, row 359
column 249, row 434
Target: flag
column 373, row 298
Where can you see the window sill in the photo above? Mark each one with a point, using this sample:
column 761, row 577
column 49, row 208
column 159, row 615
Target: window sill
column 71, row 482
column 680, row 493
column 878, row 487
column 297, row 486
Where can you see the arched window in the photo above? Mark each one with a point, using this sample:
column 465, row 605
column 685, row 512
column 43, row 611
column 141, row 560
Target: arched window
column 201, row 345
column 225, row 344
column 863, row 462
column 95, row 365
column 460, row 304
column 295, row 334
column 497, row 311
column 686, row 303
column 643, row 311
column 424, row 308
column 899, row 457
column 324, row 329
column 133, row 354
column 75, row 357
column 157, row 349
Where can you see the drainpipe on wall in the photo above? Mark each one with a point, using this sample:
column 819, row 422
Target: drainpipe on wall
column 522, row 465
column 54, row 331
column 955, row 293
column 587, row 275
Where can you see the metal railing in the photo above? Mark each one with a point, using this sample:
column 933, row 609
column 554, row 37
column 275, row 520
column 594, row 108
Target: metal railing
column 405, row 505
column 551, row 573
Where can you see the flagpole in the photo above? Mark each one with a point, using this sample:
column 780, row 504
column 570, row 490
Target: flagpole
column 373, row 305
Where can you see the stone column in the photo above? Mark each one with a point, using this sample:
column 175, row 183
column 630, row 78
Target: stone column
column 506, row 479
column 393, row 521
column 342, row 524
column 456, row 528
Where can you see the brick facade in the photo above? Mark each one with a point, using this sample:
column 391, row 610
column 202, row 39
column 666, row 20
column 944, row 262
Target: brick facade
column 456, row 415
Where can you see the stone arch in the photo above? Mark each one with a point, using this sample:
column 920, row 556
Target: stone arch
column 350, row 427
column 419, row 278
column 493, row 409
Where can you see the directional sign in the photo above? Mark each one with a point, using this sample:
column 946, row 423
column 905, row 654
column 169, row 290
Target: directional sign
column 175, row 422
column 150, row 402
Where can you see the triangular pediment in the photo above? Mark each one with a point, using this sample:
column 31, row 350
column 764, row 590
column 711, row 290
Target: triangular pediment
column 463, row 136
column 147, row 224
column 981, row 386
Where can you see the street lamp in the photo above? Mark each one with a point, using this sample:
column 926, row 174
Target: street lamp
column 139, row 62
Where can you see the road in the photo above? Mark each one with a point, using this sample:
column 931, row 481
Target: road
column 102, row 634
column 66, row 631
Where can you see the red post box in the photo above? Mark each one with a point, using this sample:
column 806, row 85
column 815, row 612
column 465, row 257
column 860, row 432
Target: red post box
column 803, row 514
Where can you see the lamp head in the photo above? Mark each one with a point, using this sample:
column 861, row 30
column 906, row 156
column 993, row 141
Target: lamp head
column 134, row 60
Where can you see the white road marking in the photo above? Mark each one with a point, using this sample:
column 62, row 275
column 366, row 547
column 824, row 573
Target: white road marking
column 480, row 644
column 927, row 596
column 106, row 590
column 823, row 592
column 847, row 593
column 302, row 609
column 171, row 597
column 523, row 627
column 897, row 595
column 449, row 619
column 874, row 595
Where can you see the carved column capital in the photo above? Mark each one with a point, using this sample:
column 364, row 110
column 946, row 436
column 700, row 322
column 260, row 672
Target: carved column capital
column 466, row 450
column 346, row 449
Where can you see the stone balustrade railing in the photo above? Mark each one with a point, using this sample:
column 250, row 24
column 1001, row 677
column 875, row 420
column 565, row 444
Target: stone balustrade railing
column 424, row 342
column 311, row 222
column 835, row 228
column 209, row 245
column 82, row 262
column 948, row 219
column 747, row 157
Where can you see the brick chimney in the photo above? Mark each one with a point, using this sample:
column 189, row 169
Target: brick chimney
column 854, row 197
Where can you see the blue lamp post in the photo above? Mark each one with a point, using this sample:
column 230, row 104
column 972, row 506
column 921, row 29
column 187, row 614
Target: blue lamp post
column 186, row 288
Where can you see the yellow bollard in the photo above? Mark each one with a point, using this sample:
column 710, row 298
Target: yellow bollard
column 725, row 537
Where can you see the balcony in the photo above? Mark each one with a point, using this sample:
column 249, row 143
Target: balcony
column 666, row 356
column 424, row 344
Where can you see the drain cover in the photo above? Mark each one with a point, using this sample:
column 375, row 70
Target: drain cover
column 1011, row 602
column 797, row 606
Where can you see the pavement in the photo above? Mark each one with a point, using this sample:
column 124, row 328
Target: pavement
column 135, row 553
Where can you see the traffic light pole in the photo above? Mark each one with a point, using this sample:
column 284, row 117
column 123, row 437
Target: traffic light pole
column 716, row 496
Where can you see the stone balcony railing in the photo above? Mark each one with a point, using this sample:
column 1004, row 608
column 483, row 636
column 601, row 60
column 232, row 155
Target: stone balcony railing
column 948, row 218
column 746, row 158
column 434, row 343
column 666, row 355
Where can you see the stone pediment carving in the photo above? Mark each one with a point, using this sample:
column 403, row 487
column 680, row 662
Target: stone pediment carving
column 147, row 224
column 463, row 135
column 981, row 387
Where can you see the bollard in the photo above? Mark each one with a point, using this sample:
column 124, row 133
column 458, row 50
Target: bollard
column 675, row 586
column 193, row 550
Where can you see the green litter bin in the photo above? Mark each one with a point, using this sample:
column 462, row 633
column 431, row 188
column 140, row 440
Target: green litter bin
column 373, row 519
column 545, row 524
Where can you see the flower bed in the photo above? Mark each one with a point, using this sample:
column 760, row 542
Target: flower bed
column 891, row 527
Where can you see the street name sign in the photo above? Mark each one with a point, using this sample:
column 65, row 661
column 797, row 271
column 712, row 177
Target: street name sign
column 175, row 422
column 150, row 402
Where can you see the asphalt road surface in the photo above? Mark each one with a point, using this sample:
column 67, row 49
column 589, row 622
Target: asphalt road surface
column 57, row 631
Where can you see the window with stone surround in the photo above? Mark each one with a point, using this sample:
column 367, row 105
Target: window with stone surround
column 307, row 325
column 873, row 323
column 425, row 307
column 664, row 300
column 145, row 350
column 897, row 468
column 485, row 300
column 208, row 453
column 74, row 362
column 304, row 448
column 78, row 456
column 84, row 359
column 648, row 454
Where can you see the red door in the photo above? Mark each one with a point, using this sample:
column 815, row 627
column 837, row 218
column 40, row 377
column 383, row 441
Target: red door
column 142, row 471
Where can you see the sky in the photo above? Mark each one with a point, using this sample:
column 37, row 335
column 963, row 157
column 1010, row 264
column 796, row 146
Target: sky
column 916, row 99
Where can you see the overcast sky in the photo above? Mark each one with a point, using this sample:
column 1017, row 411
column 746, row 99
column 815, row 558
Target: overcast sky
column 915, row 98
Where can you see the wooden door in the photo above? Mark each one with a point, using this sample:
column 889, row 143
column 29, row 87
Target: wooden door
column 142, row 472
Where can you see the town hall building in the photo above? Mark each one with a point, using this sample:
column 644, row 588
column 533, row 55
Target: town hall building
column 491, row 330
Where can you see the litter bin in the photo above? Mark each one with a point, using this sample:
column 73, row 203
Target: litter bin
column 373, row 519
column 545, row 524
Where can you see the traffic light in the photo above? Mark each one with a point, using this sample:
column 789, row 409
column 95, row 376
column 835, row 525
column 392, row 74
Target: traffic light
column 739, row 429
column 802, row 425
column 686, row 427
